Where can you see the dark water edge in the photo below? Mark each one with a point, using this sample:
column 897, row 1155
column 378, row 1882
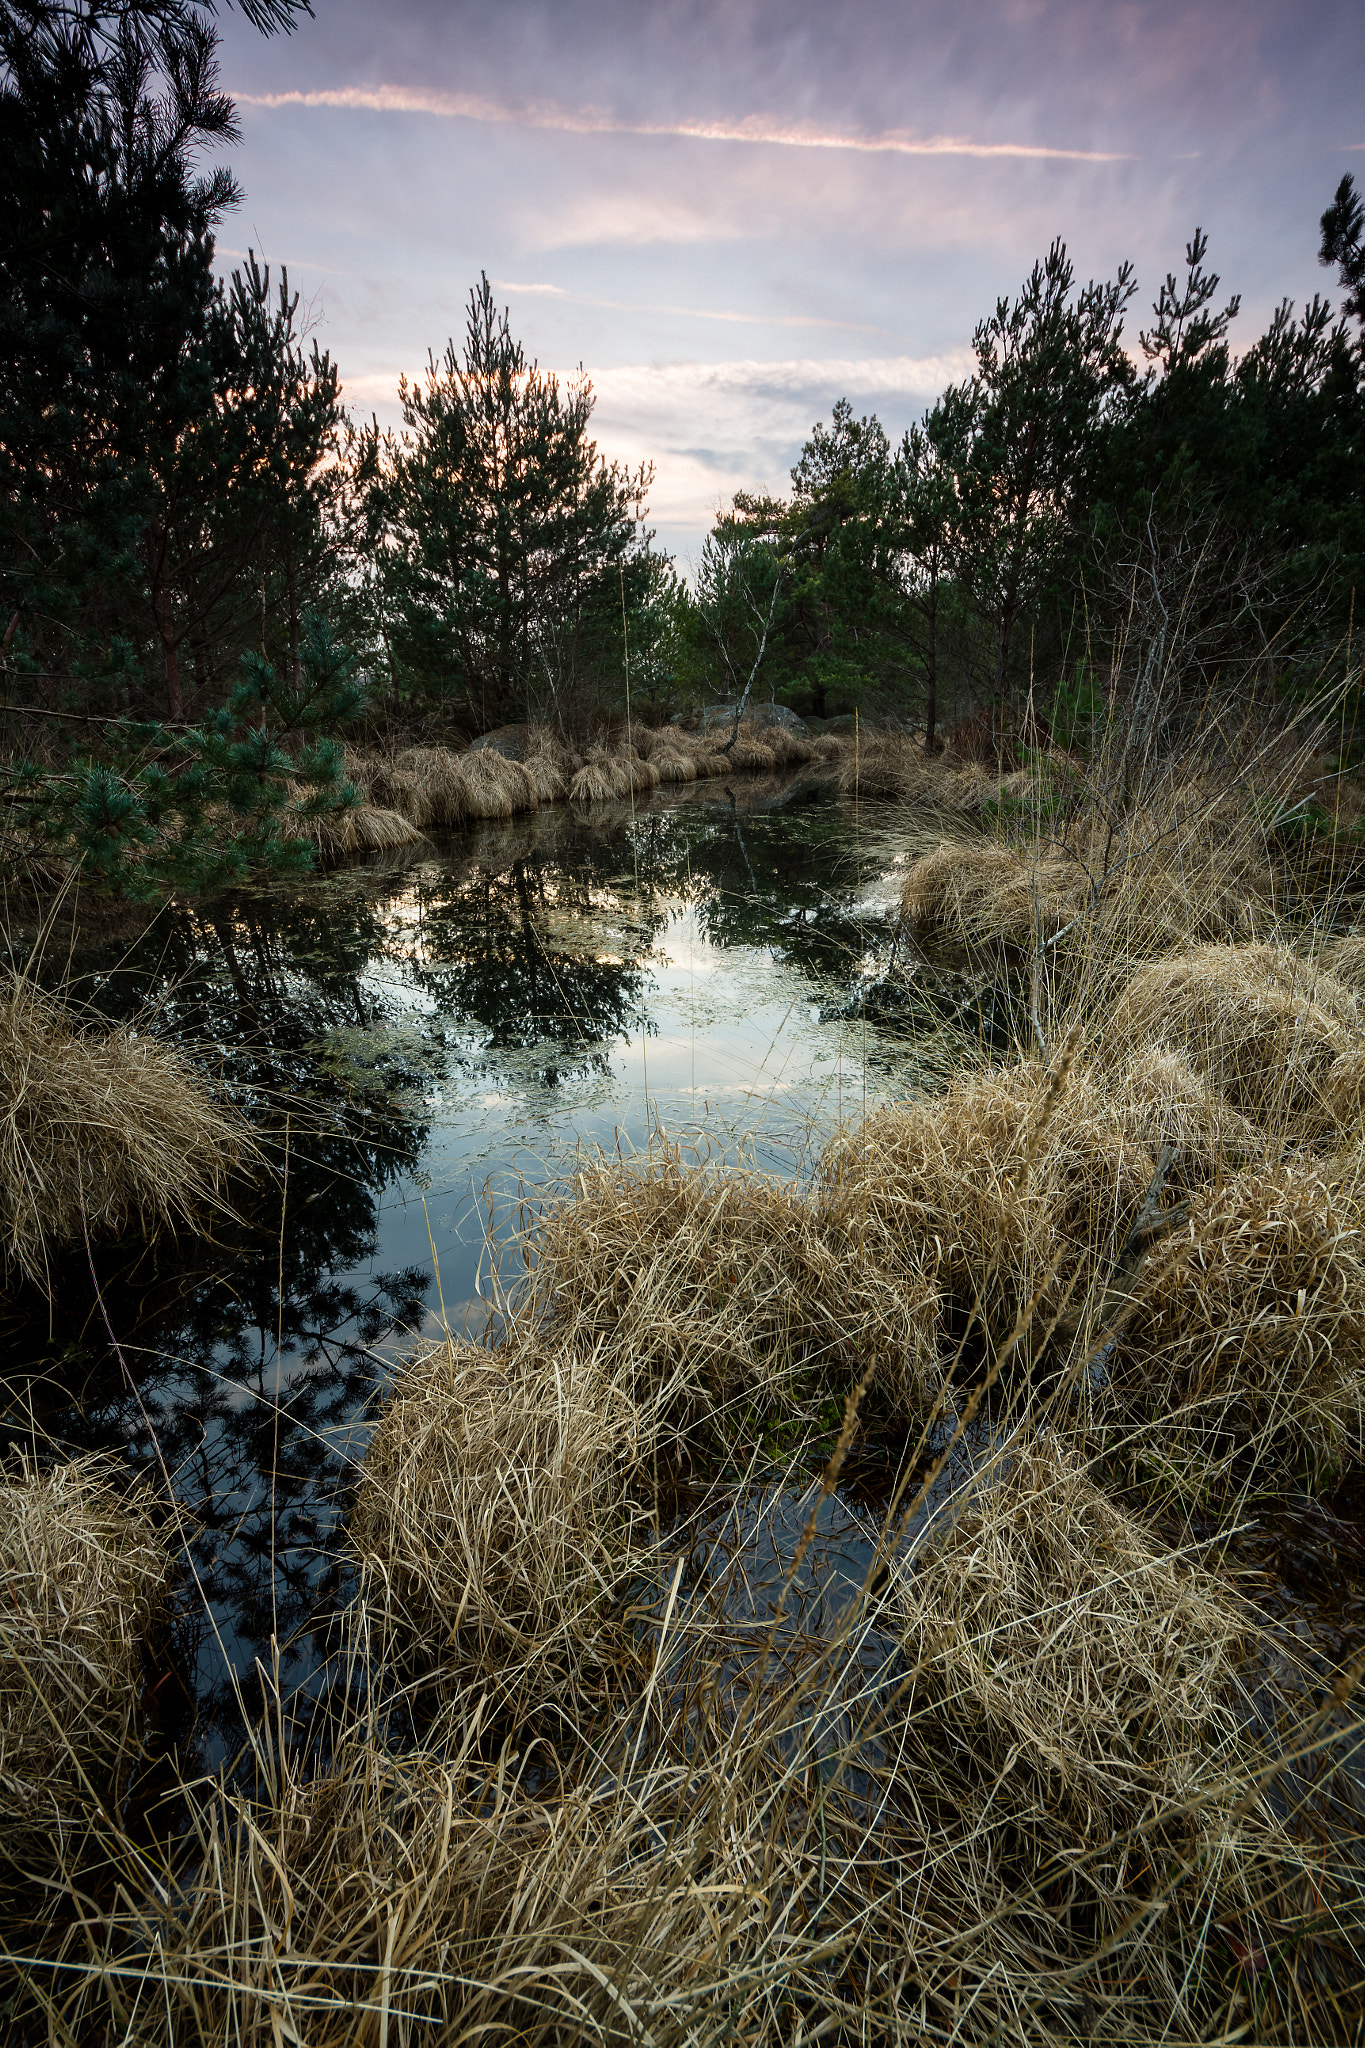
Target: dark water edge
column 423, row 1042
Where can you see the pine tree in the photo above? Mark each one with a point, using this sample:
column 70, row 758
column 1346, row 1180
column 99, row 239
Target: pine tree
column 502, row 525
column 1050, row 369
column 166, row 807
column 1343, row 243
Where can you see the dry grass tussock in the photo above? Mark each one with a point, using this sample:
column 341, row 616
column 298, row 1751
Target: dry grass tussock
column 1128, row 1229
column 890, row 765
column 1345, row 958
column 601, row 780
column 1279, row 1037
column 550, row 765
column 1036, row 1819
column 720, row 1290
column 1012, row 1192
column 493, row 1518
column 1245, row 1329
column 85, row 1572
column 980, row 893
column 101, row 1131
column 407, row 1899
column 405, row 791
column 1079, row 1709
column 1180, row 862
column 439, row 787
column 367, row 829
column 672, row 765
column 495, row 787
column 1090, row 1677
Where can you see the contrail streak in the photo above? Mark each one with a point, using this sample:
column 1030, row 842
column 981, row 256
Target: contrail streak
column 402, row 99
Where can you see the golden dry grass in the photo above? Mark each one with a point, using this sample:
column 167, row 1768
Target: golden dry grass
column 983, row 893
column 672, row 765
column 1122, row 878
column 550, row 765
column 789, row 749
column 749, row 756
column 1164, row 1101
column 722, row 1289
column 101, row 1131
column 440, row 786
column 1011, row 1191
column 85, row 1572
column 370, row 829
column 890, row 766
column 1283, row 1041
column 411, row 794
column 493, row 1519
column 1345, row 958
column 494, row 786
column 598, row 781
column 1244, row 1332
column 1091, row 1677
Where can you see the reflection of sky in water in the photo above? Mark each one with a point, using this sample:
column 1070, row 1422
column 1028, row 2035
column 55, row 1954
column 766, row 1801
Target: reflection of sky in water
column 443, row 1034
column 730, row 1056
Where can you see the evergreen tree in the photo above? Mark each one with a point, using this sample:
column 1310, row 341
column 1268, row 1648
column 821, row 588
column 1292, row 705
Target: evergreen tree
column 929, row 468
column 114, row 337
column 165, row 807
column 1343, row 243
column 503, row 529
column 1050, row 375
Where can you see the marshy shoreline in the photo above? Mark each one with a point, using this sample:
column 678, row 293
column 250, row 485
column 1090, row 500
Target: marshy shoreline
column 1040, row 1768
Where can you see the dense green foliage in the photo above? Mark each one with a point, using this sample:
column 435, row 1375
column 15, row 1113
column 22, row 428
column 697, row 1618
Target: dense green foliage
column 162, row 807
column 1208, row 507
column 180, row 490
column 502, row 536
column 163, row 439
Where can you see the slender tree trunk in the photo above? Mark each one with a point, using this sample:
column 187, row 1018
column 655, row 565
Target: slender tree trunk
column 164, row 614
column 292, row 585
column 931, row 677
column 1001, row 684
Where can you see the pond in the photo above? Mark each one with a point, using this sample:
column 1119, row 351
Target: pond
column 425, row 1043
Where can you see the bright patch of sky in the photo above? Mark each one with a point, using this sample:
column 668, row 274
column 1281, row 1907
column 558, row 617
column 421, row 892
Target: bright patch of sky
column 733, row 214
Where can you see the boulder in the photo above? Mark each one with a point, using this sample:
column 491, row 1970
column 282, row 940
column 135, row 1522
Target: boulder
column 507, row 740
column 759, row 714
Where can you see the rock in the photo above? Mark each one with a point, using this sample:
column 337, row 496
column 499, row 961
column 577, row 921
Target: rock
column 507, row 740
column 760, row 714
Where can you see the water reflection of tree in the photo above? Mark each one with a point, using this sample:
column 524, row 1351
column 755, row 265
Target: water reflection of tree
column 490, row 963
column 229, row 1373
column 235, row 1368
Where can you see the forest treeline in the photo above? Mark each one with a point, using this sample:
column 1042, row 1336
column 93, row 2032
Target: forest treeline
column 208, row 567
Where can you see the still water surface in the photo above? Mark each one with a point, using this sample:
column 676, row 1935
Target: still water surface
column 426, row 1043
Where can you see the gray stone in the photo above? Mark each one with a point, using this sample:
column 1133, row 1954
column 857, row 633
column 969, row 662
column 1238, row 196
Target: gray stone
column 507, row 740
column 758, row 713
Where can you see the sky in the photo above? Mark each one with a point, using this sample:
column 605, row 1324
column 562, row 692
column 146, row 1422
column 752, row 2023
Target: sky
column 732, row 213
